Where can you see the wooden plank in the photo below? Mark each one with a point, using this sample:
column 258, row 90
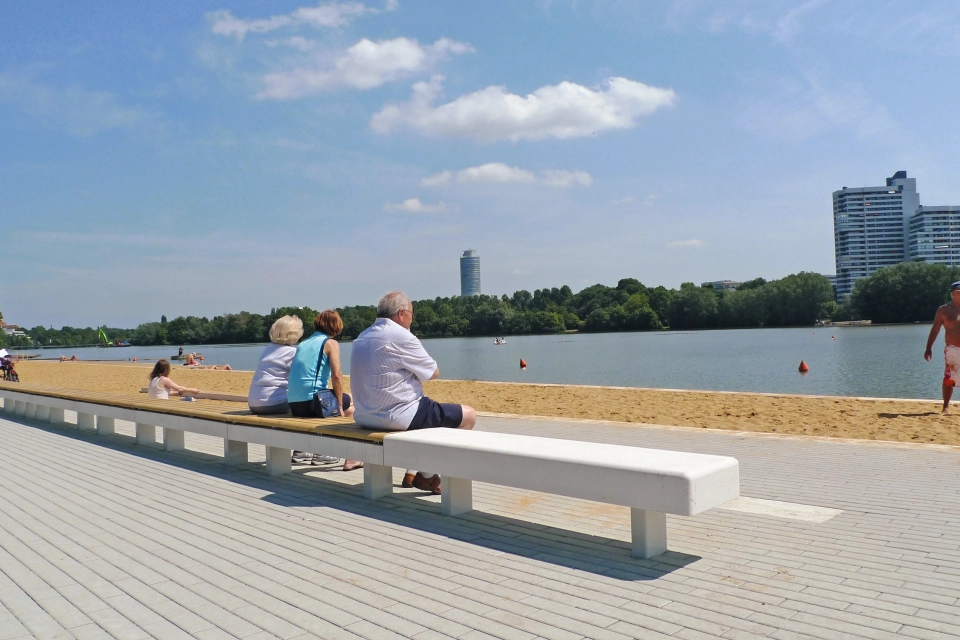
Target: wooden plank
column 334, row 427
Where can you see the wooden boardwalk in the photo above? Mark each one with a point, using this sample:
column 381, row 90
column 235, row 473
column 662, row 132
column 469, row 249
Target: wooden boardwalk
column 103, row 539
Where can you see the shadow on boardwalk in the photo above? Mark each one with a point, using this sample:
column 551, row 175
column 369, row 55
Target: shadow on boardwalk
column 302, row 489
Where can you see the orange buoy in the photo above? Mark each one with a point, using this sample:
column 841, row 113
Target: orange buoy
column 803, row 368
column 134, row 359
column 523, row 364
column 833, row 337
column 200, row 358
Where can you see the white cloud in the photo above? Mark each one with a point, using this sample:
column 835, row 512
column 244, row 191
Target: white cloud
column 495, row 172
column 565, row 110
column 563, row 179
column 72, row 109
column 627, row 200
column 500, row 173
column 325, row 14
column 413, row 205
column 437, row 179
column 676, row 244
column 365, row 65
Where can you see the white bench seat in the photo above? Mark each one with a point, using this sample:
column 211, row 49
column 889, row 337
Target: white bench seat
column 651, row 482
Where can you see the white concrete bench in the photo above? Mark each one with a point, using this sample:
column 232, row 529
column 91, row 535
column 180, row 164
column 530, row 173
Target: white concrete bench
column 651, row 482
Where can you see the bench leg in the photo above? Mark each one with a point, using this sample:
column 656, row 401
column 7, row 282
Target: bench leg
column 173, row 440
column 649, row 530
column 235, row 452
column 146, row 433
column 456, row 496
column 105, row 426
column 56, row 416
column 377, row 481
column 31, row 411
column 278, row 461
column 86, row 421
column 43, row 412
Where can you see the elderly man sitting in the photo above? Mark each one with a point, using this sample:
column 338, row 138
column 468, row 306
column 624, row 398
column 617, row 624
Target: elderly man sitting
column 387, row 368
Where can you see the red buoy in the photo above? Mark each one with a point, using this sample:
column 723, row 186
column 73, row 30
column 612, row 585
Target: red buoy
column 803, row 368
column 523, row 364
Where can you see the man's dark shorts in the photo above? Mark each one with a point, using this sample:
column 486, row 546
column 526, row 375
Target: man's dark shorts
column 432, row 414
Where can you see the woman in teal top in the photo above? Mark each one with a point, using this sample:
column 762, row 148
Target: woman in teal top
column 305, row 380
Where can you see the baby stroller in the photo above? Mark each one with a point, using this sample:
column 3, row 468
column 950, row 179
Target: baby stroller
column 9, row 370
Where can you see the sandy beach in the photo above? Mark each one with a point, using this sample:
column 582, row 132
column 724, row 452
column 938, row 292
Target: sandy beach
column 841, row 417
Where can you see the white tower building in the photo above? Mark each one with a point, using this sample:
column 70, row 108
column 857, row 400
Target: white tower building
column 469, row 273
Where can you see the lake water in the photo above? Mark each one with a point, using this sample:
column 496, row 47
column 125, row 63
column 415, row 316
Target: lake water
column 860, row 361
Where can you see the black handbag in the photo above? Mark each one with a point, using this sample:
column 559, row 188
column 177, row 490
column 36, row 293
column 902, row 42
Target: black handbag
column 325, row 404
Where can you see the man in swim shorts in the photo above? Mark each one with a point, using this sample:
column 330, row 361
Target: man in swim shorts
column 948, row 317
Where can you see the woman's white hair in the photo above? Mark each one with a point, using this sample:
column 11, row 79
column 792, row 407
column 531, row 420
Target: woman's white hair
column 286, row 330
column 392, row 302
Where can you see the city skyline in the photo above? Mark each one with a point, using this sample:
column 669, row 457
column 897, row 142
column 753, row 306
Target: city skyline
column 882, row 226
column 238, row 155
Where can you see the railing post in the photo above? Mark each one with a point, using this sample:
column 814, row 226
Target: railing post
column 86, row 421
column 278, row 461
column 173, row 439
column 43, row 412
column 31, row 411
column 19, row 407
column 105, row 426
column 456, row 496
column 377, row 481
column 235, row 452
column 56, row 416
column 146, row 433
column 649, row 533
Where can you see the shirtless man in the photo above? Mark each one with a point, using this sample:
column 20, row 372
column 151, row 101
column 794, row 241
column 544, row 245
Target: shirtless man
column 948, row 316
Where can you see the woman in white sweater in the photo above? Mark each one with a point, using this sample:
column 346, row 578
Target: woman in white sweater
column 268, row 390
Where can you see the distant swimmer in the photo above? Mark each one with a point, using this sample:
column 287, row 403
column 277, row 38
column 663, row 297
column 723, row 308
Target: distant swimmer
column 948, row 317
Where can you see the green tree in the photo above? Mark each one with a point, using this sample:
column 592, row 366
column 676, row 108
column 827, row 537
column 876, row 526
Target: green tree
column 693, row 307
column 907, row 292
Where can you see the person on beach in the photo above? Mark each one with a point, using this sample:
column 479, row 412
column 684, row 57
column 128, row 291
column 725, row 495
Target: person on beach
column 162, row 387
column 315, row 366
column 387, row 370
column 948, row 317
column 268, row 390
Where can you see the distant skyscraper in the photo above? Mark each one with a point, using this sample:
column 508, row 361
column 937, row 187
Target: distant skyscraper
column 469, row 273
column 871, row 228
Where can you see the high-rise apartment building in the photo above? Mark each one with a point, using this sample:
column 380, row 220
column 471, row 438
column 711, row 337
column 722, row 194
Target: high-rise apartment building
column 469, row 273
column 871, row 228
column 935, row 235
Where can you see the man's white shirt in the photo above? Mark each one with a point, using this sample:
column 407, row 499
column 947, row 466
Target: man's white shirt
column 387, row 367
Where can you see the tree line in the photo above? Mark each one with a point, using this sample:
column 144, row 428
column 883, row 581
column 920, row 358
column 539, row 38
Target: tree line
column 904, row 293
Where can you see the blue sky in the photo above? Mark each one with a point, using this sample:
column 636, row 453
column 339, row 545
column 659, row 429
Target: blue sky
column 208, row 157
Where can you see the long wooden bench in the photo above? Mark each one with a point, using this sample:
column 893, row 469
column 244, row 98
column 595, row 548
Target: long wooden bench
column 651, row 482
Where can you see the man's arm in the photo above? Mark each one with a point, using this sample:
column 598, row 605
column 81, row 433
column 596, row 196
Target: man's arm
column 436, row 374
column 934, row 332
